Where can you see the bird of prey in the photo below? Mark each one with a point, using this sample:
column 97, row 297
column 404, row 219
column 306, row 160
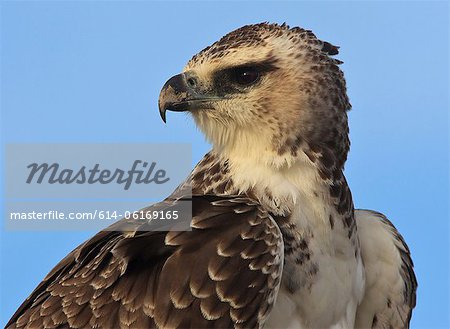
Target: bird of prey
column 275, row 239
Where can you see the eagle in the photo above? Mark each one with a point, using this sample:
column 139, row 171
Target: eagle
column 274, row 238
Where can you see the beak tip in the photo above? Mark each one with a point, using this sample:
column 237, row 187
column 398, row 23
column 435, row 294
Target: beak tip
column 162, row 113
column 174, row 91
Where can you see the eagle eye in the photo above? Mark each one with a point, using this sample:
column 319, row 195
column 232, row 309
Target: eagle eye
column 246, row 76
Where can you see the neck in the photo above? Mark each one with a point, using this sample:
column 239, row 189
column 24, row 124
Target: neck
column 304, row 193
column 276, row 180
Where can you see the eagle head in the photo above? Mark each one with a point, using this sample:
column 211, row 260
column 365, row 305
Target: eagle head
column 265, row 89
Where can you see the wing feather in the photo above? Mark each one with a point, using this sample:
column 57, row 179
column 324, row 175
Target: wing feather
column 391, row 284
column 225, row 272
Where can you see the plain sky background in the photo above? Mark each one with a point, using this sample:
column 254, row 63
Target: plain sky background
column 92, row 72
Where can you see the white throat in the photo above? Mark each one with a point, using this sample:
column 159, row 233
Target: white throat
column 279, row 182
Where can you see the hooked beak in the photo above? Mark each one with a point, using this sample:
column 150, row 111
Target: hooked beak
column 181, row 93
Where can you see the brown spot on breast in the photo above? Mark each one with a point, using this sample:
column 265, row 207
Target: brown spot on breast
column 310, row 155
column 335, row 191
column 221, row 188
column 303, row 245
column 324, row 174
column 281, row 150
column 331, row 221
column 214, row 169
column 291, row 286
column 314, row 270
column 350, row 234
column 199, row 176
column 348, row 221
column 374, row 321
column 225, row 167
column 300, row 259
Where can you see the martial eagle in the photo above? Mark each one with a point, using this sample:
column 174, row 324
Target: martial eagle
column 275, row 239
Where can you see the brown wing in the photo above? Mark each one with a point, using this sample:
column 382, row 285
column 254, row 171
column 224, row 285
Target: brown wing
column 390, row 280
column 224, row 273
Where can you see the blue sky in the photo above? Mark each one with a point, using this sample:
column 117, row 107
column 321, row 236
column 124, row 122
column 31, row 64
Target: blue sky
column 92, row 72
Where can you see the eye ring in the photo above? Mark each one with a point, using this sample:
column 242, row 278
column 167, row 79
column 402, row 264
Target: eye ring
column 246, row 76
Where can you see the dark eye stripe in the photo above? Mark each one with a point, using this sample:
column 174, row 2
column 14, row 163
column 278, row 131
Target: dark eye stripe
column 232, row 79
